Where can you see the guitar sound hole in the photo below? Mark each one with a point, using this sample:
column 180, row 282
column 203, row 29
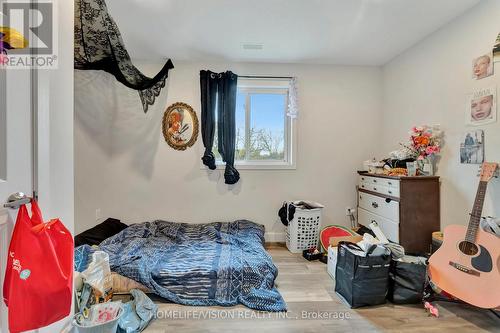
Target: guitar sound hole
column 468, row 248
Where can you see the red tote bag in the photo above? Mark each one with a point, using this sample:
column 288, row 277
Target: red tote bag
column 39, row 276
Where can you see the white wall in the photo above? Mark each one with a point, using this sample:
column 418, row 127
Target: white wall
column 55, row 123
column 124, row 168
column 428, row 84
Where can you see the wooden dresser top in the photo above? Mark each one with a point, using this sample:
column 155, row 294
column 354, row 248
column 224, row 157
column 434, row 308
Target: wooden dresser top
column 367, row 174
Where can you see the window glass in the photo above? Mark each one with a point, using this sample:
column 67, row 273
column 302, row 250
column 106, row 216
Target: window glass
column 267, row 126
column 263, row 129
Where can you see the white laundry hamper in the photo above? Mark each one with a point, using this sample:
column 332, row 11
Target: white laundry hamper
column 302, row 232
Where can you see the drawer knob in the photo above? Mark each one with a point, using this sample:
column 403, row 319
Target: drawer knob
column 389, row 183
column 374, row 205
column 390, row 192
column 374, row 180
column 374, row 188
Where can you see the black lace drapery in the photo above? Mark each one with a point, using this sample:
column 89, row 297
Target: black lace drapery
column 99, row 46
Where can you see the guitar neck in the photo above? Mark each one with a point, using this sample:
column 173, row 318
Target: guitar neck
column 477, row 211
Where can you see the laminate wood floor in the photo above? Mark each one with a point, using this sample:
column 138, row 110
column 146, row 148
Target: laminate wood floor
column 313, row 307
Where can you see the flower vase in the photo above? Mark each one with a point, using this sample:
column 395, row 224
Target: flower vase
column 426, row 167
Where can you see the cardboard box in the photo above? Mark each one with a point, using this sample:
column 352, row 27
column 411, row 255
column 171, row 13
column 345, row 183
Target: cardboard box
column 331, row 265
column 334, row 241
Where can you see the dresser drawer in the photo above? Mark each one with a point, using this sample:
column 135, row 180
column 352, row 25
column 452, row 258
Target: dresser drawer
column 384, row 207
column 392, row 191
column 389, row 228
column 383, row 181
column 380, row 185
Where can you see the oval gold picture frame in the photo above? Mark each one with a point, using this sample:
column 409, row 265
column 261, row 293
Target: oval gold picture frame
column 180, row 126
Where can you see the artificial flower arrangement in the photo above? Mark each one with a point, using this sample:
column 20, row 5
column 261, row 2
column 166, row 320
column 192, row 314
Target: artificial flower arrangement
column 425, row 141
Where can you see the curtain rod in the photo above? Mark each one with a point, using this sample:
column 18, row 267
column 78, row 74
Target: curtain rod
column 265, row 77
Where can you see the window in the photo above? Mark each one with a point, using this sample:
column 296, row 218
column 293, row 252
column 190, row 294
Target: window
column 264, row 131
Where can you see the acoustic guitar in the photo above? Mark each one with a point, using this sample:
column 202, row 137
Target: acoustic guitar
column 467, row 263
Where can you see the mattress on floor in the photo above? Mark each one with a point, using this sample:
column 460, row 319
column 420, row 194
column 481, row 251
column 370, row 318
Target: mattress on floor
column 222, row 263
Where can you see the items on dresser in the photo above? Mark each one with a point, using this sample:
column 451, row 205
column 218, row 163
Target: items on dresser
column 375, row 166
column 406, row 209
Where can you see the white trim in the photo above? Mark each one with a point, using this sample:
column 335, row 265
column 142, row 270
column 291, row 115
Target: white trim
column 257, row 166
column 274, row 237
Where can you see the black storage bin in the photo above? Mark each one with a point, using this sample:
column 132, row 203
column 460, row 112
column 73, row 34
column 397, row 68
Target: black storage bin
column 407, row 281
column 361, row 281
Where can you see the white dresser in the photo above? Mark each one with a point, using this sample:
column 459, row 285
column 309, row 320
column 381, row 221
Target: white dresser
column 405, row 208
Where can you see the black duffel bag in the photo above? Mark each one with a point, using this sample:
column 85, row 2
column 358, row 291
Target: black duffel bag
column 407, row 280
column 361, row 280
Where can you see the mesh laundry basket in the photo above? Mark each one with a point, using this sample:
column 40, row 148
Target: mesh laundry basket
column 302, row 231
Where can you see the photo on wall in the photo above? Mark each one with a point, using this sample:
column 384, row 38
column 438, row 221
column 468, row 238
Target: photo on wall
column 472, row 147
column 496, row 49
column 482, row 66
column 481, row 107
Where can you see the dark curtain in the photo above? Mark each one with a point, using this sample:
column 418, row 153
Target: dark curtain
column 99, row 46
column 208, row 85
column 223, row 88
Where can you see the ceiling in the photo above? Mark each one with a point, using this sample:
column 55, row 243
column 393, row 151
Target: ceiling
column 347, row 32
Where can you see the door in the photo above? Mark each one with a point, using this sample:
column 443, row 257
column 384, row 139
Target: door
column 15, row 157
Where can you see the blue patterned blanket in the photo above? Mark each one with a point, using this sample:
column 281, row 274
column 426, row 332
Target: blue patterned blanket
column 199, row 264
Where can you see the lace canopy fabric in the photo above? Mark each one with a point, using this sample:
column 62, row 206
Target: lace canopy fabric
column 99, row 46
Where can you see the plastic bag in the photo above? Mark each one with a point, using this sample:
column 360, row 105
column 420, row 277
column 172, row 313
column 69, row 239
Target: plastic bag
column 97, row 283
column 138, row 313
column 98, row 275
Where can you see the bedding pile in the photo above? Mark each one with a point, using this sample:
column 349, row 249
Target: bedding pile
column 198, row 264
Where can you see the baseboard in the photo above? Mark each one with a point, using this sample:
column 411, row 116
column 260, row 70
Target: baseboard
column 274, row 237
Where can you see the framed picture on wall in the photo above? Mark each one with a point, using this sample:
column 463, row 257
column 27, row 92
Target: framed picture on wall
column 472, row 147
column 496, row 49
column 481, row 107
column 180, row 126
column 482, row 66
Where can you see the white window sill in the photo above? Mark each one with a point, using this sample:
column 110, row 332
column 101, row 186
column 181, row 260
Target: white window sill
column 257, row 166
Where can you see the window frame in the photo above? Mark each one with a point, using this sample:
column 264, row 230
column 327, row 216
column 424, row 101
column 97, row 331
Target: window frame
column 290, row 130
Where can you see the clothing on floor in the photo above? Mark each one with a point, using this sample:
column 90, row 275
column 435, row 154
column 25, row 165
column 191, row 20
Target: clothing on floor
column 138, row 313
column 102, row 231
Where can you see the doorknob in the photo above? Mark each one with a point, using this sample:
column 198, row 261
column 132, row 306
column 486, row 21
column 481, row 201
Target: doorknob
column 15, row 200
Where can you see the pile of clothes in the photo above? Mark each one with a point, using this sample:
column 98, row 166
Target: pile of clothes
column 94, row 293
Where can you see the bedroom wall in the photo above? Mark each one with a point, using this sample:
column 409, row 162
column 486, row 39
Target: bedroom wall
column 428, row 85
column 124, row 169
